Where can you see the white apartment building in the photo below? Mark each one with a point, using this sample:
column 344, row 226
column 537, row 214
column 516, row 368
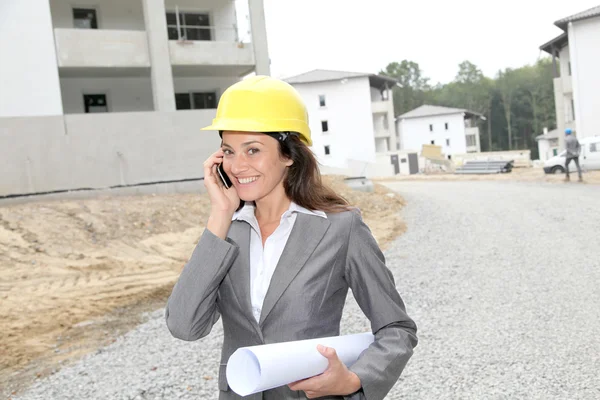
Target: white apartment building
column 113, row 92
column 576, row 69
column 351, row 115
column 454, row 129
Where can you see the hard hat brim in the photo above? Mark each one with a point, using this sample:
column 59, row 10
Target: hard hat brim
column 258, row 126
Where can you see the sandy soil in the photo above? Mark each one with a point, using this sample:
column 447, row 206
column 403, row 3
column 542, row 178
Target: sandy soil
column 74, row 274
column 517, row 174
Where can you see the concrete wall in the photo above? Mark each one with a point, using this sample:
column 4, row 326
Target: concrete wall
column 130, row 94
column 122, row 94
column 29, row 82
column 111, row 14
column 101, row 48
column 102, row 150
column 211, row 53
column 350, row 133
column 415, row 133
column 585, row 64
column 214, row 84
column 259, row 36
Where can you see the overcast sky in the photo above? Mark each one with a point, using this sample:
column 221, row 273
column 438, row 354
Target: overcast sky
column 364, row 36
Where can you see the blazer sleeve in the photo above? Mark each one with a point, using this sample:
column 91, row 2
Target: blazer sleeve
column 192, row 306
column 373, row 287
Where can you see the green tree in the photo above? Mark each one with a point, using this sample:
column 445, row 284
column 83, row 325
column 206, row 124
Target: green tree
column 414, row 85
column 507, row 87
column 517, row 104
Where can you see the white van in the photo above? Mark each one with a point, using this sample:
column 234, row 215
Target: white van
column 589, row 158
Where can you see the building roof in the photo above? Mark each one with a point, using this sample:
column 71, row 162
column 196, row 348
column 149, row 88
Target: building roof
column 324, row 75
column 550, row 135
column 556, row 43
column 591, row 13
column 560, row 41
column 429, row 111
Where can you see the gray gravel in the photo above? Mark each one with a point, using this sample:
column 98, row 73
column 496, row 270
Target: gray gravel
column 502, row 279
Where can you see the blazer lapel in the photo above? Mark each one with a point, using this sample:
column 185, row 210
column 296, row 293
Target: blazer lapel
column 306, row 234
column 240, row 270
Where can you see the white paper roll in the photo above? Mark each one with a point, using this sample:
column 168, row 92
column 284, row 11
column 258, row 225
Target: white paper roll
column 257, row 368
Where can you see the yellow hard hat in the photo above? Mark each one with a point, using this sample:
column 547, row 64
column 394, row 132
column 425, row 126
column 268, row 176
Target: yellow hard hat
column 262, row 104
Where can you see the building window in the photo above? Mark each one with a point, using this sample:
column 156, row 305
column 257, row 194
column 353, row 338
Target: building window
column 446, row 125
column 327, row 150
column 594, row 147
column 433, row 142
column 430, row 128
column 324, row 126
column 195, row 101
column 322, row 102
column 385, row 95
column 85, row 18
column 569, row 68
column 95, row 103
column 449, row 157
column 386, row 123
column 192, row 26
column 573, row 109
column 448, row 142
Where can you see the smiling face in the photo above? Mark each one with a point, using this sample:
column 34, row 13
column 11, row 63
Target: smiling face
column 254, row 164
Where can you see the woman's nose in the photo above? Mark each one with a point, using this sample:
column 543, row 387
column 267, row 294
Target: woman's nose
column 238, row 165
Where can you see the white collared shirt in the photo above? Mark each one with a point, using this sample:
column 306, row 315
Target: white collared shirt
column 264, row 260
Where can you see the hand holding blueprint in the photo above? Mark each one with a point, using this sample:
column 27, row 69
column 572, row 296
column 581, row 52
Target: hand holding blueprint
column 257, row 368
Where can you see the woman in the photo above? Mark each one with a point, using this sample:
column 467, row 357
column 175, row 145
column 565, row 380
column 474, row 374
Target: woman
column 280, row 251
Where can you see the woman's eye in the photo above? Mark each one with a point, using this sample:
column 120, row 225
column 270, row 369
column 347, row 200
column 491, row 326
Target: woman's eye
column 227, row 152
column 252, row 151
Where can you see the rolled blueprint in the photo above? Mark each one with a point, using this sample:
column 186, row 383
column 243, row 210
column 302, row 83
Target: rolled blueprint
column 257, row 368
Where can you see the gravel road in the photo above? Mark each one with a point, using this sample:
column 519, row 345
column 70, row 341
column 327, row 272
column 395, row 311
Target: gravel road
column 502, row 279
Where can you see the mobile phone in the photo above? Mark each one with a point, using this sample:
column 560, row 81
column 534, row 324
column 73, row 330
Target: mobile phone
column 224, row 178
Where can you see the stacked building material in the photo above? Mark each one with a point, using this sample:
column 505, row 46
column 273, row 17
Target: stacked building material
column 485, row 167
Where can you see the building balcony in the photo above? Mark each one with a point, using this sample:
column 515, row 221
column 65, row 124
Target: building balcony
column 211, row 58
column 563, row 85
column 382, row 133
column 92, row 48
column 472, row 140
column 381, row 106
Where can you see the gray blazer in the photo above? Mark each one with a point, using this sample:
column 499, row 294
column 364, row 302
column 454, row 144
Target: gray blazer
column 322, row 259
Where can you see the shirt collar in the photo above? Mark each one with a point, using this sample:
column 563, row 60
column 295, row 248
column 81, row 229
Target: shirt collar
column 246, row 213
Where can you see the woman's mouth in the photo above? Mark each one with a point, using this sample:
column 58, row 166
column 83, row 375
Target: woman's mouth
column 246, row 181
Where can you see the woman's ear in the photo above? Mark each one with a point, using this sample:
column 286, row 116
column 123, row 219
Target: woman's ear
column 289, row 162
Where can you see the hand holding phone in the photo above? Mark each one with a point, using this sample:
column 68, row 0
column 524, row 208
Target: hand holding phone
column 224, row 178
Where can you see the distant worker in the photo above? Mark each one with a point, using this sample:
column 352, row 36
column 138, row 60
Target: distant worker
column 573, row 149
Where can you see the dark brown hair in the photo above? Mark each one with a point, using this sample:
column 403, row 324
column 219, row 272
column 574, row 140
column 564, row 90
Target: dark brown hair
column 303, row 183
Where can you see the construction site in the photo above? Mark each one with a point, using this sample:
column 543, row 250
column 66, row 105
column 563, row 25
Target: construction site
column 103, row 199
